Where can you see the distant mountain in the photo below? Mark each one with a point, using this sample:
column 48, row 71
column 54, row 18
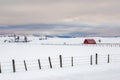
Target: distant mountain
column 73, row 35
column 81, row 34
column 66, row 30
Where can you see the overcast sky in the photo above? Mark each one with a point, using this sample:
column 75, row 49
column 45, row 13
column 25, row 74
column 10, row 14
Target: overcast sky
column 99, row 16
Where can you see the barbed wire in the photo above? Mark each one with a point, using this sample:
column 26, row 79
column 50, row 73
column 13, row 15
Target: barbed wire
column 7, row 66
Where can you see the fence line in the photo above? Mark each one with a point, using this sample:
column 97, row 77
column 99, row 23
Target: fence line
column 81, row 44
column 60, row 62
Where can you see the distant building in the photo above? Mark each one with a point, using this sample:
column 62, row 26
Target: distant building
column 89, row 41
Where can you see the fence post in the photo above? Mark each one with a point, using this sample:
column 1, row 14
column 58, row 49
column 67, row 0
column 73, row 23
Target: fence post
column 13, row 64
column 39, row 64
column 91, row 60
column 60, row 56
column 50, row 62
column 72, row 61
column 96, row 58
column 0, row 68
column 25, row 65
column 108, row 59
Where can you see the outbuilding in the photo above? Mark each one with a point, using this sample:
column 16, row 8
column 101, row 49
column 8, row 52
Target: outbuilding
column 89, row 41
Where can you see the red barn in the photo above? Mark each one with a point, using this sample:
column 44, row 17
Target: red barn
column 89, row 41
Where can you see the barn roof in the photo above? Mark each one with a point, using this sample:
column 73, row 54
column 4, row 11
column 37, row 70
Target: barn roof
column 89, row 41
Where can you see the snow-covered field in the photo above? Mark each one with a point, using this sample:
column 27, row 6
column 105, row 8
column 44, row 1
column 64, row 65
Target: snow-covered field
column 99, row 72
column 67, row 47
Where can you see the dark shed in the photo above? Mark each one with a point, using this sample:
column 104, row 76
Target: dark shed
column 89, row 41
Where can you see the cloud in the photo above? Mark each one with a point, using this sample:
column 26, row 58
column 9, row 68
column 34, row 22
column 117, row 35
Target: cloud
column 60, row 16
column 58, row 11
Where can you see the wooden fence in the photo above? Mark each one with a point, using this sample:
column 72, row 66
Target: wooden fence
column 60, row 62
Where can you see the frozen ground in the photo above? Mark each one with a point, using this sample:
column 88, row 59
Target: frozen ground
column 53, row 47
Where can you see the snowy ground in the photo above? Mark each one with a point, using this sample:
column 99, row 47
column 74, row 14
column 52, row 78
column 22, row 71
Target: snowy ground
column 99, row 72
column 53, row 47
